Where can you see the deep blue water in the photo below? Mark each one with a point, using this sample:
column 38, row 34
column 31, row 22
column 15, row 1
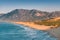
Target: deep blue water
column 18, row 32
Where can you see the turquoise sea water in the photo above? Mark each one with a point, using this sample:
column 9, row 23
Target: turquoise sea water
column 18, row 32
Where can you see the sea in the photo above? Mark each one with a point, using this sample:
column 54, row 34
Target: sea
column 10, row 31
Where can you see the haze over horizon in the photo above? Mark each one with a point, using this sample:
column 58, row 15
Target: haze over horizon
column 43, row 5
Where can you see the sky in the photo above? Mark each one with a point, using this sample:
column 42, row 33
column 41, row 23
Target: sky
column 43, row 5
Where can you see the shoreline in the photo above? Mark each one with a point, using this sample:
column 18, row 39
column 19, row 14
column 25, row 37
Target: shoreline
column 31, row 25
column 35, row 26
column 53, row 31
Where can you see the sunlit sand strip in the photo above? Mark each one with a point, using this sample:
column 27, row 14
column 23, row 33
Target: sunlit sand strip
column 35, row 26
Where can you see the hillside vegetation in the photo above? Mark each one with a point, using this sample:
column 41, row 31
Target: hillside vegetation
column 52, row 22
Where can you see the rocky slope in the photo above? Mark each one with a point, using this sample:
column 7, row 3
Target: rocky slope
column 25, row 15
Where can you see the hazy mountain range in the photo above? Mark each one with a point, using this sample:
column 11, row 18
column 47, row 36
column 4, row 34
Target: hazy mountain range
column 29, row 15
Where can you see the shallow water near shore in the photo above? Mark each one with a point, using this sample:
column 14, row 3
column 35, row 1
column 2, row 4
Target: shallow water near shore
column 10, row 31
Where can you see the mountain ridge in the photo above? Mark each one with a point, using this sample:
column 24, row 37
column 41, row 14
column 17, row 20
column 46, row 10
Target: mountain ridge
column 29, row 15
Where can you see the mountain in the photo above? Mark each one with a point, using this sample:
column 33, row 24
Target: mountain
column 29, row 15
column 54, row 14
column 24, row 15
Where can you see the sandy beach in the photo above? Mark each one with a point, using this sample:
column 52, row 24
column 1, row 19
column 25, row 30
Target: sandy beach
column 35, row 26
